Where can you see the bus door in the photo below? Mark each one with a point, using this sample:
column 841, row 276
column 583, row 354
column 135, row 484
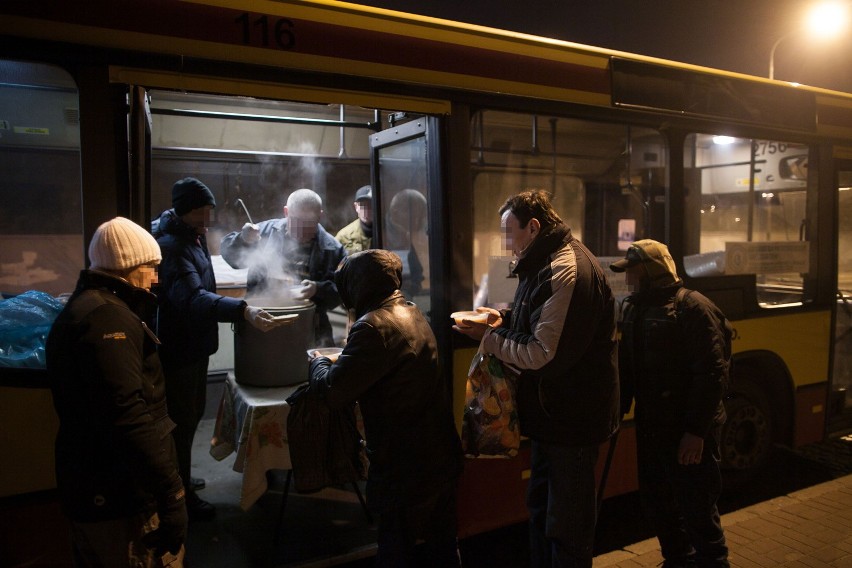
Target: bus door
column 405, row 171
column 840, row 404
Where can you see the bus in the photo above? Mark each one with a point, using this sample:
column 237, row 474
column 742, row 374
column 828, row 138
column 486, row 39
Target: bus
column 104, row 104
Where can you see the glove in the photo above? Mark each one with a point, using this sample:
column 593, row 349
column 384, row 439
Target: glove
column 171, row 533
column 259, row 318
column 250, row 233
column 307, row 291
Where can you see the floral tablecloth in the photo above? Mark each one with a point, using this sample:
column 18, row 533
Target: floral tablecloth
column 252, row 421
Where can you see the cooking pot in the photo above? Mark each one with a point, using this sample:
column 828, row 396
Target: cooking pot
column 274, row 358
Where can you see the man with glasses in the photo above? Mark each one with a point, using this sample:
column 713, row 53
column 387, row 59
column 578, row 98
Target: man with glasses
column 293, row 258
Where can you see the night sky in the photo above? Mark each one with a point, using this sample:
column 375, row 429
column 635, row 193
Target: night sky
column 735, row 35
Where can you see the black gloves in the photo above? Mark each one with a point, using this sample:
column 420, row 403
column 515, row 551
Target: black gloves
column 171, row 534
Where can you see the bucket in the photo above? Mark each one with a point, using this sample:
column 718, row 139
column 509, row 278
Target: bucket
column 275, row 358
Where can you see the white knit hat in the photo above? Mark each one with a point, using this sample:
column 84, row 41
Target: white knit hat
column 121, row 244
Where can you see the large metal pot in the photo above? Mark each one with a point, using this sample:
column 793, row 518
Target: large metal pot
column 275, row 358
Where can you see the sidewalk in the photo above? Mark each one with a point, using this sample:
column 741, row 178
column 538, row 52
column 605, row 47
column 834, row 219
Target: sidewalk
column 810, row 528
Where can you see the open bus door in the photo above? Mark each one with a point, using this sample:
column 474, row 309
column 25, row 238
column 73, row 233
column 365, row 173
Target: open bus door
column 409, row 211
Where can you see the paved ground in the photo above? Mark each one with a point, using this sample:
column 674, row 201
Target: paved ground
column 807, row 528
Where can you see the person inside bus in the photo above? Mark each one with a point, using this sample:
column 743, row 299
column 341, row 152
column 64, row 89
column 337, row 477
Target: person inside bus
column 296, row 253
column 672, row 360
column 390, row 366
column 358, row 235
column 561, row 335
column 116, row 469
column 406, row 235
column 187, row 322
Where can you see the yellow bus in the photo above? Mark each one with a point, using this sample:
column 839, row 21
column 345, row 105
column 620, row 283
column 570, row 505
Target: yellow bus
column 104, row 104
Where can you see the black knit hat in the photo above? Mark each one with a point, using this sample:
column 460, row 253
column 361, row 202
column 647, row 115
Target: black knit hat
column 188, row 194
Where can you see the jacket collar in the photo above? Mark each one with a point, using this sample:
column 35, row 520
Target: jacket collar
column 142, row 302
column 171, row 224
column 545, row 244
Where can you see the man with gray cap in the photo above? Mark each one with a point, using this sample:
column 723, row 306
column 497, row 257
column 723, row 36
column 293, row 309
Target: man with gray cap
column 673, row 358
column 358, row 235
column 116, row 469
column 190, row 310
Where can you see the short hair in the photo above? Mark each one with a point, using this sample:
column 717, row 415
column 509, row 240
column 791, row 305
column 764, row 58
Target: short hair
column 532, row 204
column 304, row 198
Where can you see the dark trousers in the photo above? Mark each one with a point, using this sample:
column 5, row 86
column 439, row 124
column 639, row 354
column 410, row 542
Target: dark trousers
column 186, row 396
column 680, row 501
column 561, row 502
column 430, row 518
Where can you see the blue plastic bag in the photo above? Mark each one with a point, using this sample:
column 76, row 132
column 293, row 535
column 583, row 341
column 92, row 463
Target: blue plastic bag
column 25, row 321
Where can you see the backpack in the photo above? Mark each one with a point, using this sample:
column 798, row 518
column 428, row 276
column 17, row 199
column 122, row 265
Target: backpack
column 726, row 327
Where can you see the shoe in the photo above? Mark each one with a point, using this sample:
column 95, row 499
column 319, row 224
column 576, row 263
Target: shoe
column 196, row 483
column 198, row 509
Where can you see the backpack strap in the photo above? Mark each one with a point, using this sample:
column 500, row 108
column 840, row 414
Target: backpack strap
column 680, row 298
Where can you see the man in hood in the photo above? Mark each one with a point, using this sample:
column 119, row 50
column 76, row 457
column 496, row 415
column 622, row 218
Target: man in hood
column 190, row 310
column 390, row 366
column 560, row 333
column 673, row 360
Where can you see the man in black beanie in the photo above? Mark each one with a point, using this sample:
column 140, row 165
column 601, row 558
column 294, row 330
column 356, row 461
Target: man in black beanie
column 187, row 326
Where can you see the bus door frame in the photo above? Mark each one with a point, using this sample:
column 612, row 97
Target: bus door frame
column 428, row 127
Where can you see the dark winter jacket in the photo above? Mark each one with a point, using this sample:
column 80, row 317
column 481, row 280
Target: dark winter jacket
column 114, row 450
column 672, row 360
column 271, row 257
column 190, row 308
column 390, row 366
column 561, row 335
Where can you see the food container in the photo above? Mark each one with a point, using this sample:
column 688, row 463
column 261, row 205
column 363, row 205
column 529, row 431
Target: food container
column 274, row 358
column 331, row 352
column 479, row 317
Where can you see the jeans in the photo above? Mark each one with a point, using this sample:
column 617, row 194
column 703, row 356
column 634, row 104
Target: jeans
column 680, row 501
column 562, row 504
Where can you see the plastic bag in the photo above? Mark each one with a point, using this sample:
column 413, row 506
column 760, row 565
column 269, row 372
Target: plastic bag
column 490, row 423
column 325, row 444
column 25, row 321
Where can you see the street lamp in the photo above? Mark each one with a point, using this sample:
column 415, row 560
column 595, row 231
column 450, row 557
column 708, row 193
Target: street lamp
column 824, row 21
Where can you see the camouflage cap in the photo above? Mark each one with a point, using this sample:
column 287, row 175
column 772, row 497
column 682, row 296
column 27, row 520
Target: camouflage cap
column 656, row 258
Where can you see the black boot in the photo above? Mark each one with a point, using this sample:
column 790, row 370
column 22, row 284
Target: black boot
column 198, row 509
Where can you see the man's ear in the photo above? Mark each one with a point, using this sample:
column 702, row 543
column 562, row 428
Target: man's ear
column 534, row 226
column 286, row 212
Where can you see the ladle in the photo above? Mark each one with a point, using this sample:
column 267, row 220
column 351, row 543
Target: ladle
column 240, row 201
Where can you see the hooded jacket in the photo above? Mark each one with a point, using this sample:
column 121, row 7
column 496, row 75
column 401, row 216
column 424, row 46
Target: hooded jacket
column 561, row 335
column 390, row 366
column 114, row 450
column 273, row 246
column 672, row 357
column 190, row 308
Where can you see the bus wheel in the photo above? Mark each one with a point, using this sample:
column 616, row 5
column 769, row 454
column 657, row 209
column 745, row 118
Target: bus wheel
column 746, row 435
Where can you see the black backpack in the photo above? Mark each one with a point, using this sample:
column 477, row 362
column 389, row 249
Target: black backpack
column 727, row 330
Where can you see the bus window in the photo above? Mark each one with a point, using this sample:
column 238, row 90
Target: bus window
column 746, row 213
column 607, row 181
column 41, row 223
column 842, row 376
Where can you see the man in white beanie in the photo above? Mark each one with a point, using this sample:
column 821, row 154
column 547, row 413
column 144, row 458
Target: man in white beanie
column 116, row 469
column 190, row 310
